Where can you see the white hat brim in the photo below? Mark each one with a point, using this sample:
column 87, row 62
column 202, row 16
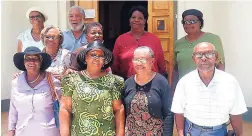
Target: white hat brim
column 38, row 9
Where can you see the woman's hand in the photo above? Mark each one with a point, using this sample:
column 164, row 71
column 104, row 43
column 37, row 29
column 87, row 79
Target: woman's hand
column 69, row 71
column 56, row 75
column 11, row 133
column 16, row 75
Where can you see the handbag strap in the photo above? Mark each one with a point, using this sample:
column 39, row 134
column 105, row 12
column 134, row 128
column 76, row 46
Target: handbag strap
column 52, row 88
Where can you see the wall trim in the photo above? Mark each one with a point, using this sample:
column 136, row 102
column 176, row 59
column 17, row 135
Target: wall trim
column 5, row 104
column 248, row 115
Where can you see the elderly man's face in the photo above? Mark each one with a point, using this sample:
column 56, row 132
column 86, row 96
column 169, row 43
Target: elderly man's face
column 142, row 62
column 204, row 57
column 75, row 19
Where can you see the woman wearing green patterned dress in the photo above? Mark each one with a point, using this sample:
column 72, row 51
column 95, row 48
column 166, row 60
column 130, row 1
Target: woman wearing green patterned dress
column 90, row 104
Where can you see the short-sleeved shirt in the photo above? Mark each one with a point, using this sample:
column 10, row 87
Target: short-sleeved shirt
column 27, row 40
column 183, row 52
column 208, row 105
column 92, row 103
column 70, row 43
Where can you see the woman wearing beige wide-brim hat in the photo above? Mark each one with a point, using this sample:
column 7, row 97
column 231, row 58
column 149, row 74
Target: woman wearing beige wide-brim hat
column 31, row 36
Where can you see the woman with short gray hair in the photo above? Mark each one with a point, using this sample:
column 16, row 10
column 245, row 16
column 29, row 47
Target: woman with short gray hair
column 147, row 98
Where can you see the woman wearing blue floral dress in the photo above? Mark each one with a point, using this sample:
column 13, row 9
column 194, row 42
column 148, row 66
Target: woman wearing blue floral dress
column 92, row 97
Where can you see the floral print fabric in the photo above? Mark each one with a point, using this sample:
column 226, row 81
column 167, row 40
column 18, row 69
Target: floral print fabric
column 92, row 103
column 140, row 122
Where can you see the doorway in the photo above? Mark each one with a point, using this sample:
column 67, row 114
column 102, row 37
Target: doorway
column 113, row 15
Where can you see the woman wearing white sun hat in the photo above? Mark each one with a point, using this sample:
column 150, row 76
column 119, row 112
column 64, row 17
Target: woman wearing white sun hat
column 31, row 36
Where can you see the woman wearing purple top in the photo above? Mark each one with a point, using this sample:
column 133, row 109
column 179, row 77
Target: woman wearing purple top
column 31, row 104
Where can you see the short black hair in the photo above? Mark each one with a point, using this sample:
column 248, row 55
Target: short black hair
column 139, row 8
column 201, row 22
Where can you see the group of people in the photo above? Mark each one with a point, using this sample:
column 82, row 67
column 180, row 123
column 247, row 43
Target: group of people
column 124, row 92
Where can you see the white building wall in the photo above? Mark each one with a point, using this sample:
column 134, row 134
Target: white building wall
column 232, row 22
column 13, row 22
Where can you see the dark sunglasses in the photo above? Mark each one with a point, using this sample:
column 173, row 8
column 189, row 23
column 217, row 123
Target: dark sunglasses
column 94, row 56
column 35, row 17
column 208, row 55
column 51, row 37
column 32, row 59
column 189, row 22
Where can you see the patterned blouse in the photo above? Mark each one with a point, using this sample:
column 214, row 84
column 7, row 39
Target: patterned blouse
column 139, row 122
column 92, row 103
column 60, row 62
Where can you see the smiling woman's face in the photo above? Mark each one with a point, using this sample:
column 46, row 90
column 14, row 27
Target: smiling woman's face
column 32, row 63
column 142, row 62
column 94, row 33
column 52, row 39
column 95, row 59
column 36, row 18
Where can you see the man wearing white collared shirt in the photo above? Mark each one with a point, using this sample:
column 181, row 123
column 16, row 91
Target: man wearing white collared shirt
column 206, row 98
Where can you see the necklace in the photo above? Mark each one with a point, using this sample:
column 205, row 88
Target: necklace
column 84, row 72
column 53, row 56
column 35, row 79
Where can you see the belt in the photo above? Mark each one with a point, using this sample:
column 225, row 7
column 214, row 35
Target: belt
column 206, row 128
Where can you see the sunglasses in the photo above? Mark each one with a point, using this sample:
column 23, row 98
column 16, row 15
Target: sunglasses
column 94, row 56
column 35, row 17
column 140, row 60
column 32, row 59
column 189, row 22
column 51, row 37
column 208, row 55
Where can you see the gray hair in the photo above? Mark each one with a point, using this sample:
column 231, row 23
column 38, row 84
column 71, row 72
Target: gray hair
column 91, row 25
column 145, row 49
column 204, row 44
column 77, row 7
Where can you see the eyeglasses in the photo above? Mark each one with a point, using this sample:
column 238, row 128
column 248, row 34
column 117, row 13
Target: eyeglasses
column 188, row 22
column 97, row 33
column 35, row 17
column 32, row 59
column 140, row 60
column 94, row 56
column 48, row 37
column 208, row 55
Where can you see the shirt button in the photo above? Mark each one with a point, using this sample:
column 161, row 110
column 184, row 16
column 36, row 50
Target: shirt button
column 149, row 96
